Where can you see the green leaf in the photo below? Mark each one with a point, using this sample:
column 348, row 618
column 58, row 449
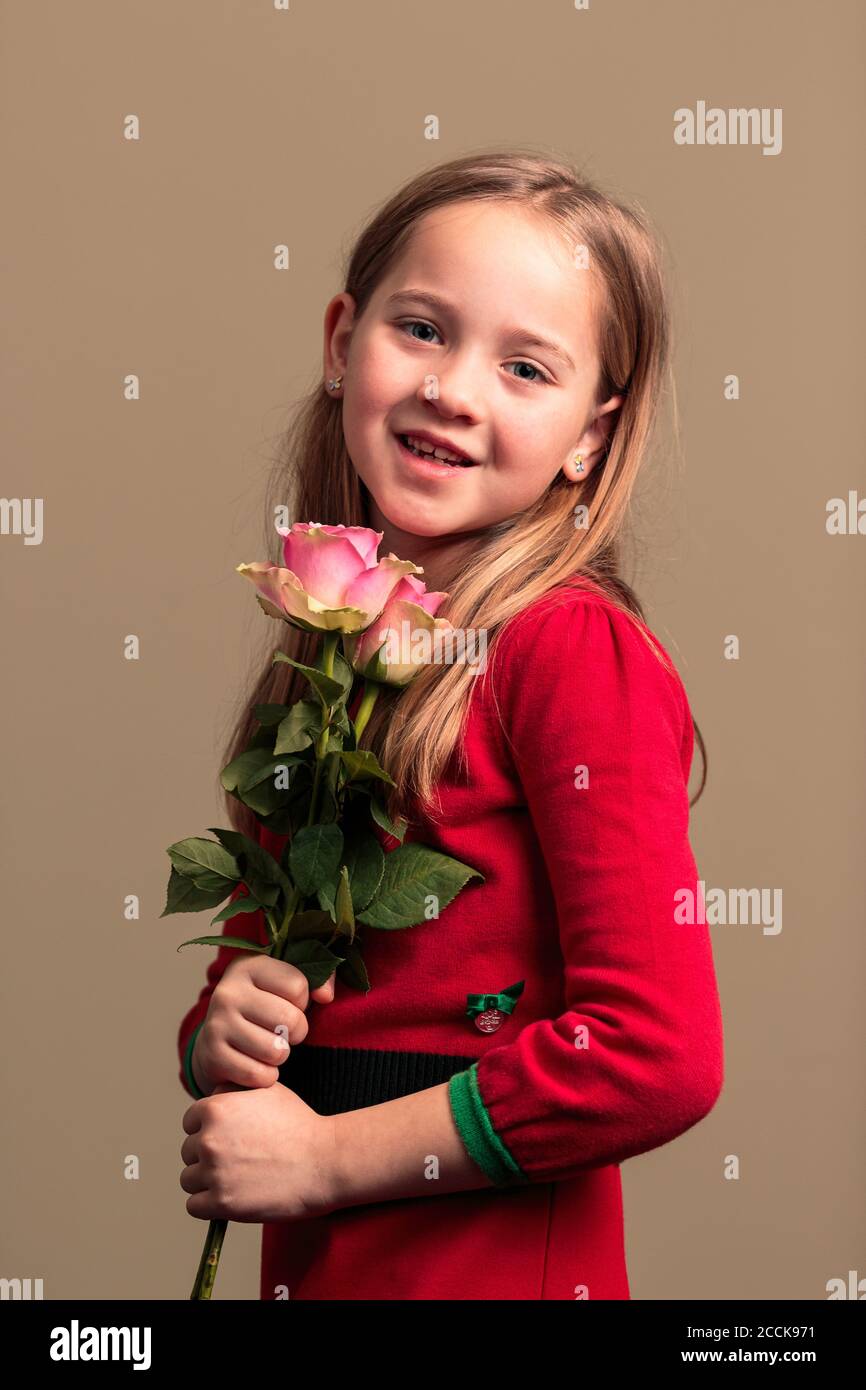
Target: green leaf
column 267, row 715
column 235, row 941
column 261, row 793
column 186, row 895
column 205, row 862
column 311, row 923
column 412, row 873
column 241, row 769
column 325, row 896
column 345, row 913
column 313, row 960
column 292, row 807
column 315, row 857
column 259, row 869
column 341, row 721
column 342, row 673
column 329, row 691
column 380, row 816
column 251, row 778
column 365, row 860
column 363, row 763
column 296, row 731
column 244, row 904
column 353, row 971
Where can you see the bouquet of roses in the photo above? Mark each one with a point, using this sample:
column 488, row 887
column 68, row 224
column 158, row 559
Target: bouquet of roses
column 303, row 775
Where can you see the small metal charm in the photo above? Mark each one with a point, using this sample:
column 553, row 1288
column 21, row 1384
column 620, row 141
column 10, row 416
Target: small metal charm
column 489, row 1011
column 489, row 1021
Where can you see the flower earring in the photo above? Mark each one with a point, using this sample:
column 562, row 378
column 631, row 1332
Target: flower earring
column 578, row 459
column 335, row 383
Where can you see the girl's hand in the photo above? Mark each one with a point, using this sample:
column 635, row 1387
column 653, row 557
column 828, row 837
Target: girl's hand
column 259, row 1155
column 256, row 1013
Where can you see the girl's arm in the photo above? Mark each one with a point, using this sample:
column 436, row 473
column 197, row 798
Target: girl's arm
column 408, row 1147
column 635, row 1057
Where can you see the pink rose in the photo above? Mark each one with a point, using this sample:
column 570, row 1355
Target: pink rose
column 412, row 604
column 332, row 580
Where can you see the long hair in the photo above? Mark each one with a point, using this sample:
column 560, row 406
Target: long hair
column 415, row 731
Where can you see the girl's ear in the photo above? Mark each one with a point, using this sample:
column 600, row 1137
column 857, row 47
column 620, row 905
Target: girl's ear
column 592, row 443
column 338, row 325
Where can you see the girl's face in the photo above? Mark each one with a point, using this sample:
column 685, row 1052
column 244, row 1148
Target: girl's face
column 471, row 370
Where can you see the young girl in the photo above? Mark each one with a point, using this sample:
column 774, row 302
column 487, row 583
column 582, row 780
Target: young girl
column 457, row 1132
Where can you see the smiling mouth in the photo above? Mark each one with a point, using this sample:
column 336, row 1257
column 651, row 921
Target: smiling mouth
column 430, row 457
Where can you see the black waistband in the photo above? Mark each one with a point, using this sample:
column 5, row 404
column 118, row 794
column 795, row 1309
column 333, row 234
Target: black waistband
column 334, row 1079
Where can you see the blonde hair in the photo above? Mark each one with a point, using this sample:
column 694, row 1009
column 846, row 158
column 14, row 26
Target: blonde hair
column 414, row 731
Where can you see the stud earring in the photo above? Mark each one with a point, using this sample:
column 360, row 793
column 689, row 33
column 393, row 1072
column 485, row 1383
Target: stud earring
column 578, row 459
column 334, row 383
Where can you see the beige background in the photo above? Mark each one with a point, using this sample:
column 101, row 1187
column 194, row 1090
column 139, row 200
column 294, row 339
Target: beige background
column 155, row 258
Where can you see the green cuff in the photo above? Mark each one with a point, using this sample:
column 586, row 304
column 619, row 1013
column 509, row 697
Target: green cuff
column 476, row 1130
column 192, row 1084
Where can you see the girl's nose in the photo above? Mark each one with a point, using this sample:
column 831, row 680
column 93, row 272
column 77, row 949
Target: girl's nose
column 456, row 391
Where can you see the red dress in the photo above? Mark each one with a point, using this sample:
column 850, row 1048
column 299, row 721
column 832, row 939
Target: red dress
column 575, row 809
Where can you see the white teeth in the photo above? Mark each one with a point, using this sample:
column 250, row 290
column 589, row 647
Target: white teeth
column 423, row 446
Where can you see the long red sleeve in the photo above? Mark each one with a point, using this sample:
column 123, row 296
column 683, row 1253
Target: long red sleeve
column 636, row 1055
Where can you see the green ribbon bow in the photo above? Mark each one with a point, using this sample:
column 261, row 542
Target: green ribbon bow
column 505, row 1002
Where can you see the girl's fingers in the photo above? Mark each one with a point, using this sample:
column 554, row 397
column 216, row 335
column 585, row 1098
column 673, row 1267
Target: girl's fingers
column 258, row 1017
column 246, row 1069
column 191, row 1180
column 279, row 977
column 189, row 1149
column 192, row 1118
column 324, row 994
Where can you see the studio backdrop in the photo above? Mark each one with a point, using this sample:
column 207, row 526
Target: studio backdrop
column 182, row 184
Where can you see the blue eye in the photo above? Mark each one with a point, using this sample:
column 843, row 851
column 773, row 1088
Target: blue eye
column 415, row 323
column 540, row 379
